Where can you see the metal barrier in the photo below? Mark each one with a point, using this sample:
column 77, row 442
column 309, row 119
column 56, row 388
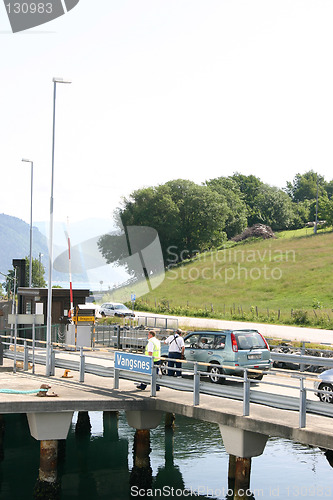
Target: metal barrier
column 79, row 362
column 158, row 322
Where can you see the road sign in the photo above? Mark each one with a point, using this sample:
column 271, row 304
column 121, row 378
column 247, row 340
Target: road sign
column 133, row 362
column 26, row 319
column 133, row 297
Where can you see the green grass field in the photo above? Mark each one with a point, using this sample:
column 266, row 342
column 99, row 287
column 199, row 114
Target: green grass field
column 282, row 280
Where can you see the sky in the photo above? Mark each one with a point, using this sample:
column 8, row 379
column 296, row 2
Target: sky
column 162, row 89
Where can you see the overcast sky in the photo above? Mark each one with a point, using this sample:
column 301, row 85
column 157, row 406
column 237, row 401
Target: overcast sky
column 163, row 89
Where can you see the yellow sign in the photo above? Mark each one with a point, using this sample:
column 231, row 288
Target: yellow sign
column 84, row 318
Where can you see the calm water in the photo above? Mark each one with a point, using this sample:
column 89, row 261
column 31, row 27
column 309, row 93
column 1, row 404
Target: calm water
column 100, row 465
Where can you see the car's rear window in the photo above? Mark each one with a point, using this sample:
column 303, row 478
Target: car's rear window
column 249, row 340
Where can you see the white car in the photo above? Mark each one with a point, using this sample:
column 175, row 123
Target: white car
column 325, row 383
column 115, row 309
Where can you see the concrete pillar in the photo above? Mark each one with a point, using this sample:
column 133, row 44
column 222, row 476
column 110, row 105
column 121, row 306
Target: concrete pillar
column 141, row 475
column 143, row 419
column 241, row 443
column 83, row 425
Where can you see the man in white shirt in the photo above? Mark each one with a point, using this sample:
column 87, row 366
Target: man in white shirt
column 176, row 351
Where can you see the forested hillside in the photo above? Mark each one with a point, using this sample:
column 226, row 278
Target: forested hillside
column 191, row 218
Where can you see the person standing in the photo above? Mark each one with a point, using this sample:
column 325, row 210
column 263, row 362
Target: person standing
column 153, row 348
column 176, row 351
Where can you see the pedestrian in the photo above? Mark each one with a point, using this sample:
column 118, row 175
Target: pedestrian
column 153, row 348
column 176, row 351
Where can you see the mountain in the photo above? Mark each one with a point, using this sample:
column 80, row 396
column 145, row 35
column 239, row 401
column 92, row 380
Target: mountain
column 15, row 242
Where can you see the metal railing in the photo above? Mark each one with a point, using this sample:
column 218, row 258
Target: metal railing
column 84, row 362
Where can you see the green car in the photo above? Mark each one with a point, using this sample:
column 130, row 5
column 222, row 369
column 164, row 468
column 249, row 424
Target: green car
column 227, row 352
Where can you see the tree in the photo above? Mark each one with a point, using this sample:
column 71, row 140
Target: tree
column 249, row 186
column 236, row 220
column 38, row 271
column 188, row 218
column 274, row 207
column 304, row 186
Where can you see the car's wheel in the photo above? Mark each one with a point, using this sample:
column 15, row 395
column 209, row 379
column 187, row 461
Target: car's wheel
column 103, row 314
column 164, row 366
column 326, row 398
column 214, row 372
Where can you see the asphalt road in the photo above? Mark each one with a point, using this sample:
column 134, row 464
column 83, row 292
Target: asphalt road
column 313, row 335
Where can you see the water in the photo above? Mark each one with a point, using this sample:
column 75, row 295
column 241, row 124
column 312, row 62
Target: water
column 100, row 466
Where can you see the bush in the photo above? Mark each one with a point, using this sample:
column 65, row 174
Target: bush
column 300, row 317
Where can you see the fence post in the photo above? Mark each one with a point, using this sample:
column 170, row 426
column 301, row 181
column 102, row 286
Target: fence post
column 116, row 379
column 196, row 386
column 52, row 364
column 118, row 337
column 302, row 365
column 82, row 365
column 302, row 404
column 26, row 357
column 33, row 344
column 15, row 343
column 153, row 380
column 246, row 395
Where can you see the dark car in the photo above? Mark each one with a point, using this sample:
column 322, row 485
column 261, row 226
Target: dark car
column 227, row 352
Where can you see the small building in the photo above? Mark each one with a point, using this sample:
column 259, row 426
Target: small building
column 34, row 301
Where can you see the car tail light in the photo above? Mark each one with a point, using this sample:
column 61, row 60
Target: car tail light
column 264, row 340
column 234, row 343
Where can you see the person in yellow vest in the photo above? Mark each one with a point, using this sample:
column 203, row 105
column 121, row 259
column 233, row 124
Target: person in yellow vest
column 153, row 348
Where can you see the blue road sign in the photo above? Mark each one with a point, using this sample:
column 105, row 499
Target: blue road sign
column 133, row 297
column 133, row 362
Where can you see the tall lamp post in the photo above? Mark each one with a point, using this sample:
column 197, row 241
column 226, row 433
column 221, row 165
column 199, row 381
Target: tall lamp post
column 30, row 253
column 49, row 289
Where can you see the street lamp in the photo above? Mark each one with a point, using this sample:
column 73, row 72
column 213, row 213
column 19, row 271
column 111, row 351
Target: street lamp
column 30, row 253
column 49, row 289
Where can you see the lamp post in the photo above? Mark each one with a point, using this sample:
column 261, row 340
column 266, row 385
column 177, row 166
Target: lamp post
column 30, row 252
column 49, row 289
